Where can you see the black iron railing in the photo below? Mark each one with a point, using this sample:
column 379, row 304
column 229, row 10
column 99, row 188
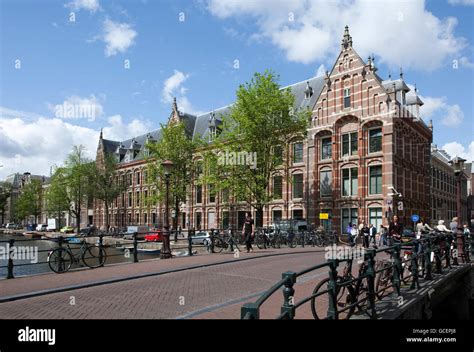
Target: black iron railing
column 375, row 279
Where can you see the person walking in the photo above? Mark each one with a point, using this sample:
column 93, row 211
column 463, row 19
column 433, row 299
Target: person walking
column 248, row 231
column 353, row 235
column 395, row 231
column 373, row 234
column 365, row 235
column 454, row 225
column 383, row 236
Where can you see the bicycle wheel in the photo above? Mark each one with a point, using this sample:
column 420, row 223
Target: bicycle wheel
column 383, row 280
column 219, row 245
column 320, row 304
column 60, row 260
column 260, row 241
column 94, row 256
column 276, row 242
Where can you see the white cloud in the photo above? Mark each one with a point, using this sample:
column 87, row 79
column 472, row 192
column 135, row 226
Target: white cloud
column 450, row 115
column 88, row 5
column 173, row 87
column 34, row 143
column 461, row 2
column 119, row 131
column 118, row 37
column 321, row 70
column 400, row 33
column 75, row 107
column 457, row 149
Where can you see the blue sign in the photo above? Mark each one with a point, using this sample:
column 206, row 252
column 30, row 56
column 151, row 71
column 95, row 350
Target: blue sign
column 415, row 218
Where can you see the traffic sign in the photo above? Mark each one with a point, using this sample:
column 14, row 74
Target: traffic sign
column 415, row 218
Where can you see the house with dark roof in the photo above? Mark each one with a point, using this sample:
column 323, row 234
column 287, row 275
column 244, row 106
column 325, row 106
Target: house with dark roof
column 366, row 157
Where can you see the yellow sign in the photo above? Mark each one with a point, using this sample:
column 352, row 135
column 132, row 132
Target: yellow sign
column 323, row 216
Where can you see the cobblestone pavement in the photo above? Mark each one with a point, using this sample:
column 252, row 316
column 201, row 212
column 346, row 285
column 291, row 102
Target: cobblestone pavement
column 207, row 292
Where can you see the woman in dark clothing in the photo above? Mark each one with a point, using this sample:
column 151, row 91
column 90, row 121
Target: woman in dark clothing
column 365, row 235
column 248, row 231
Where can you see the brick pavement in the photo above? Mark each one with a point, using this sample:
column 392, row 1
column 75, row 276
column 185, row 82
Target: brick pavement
column 24, row 285
column 210, row 292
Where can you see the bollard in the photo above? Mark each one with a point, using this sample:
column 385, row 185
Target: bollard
column 101, row 246
column 427, row 256
column 250, row 311
column 10, row 260
column 397, row 268
column 60, row 246
column 135, row 248
column 333, row 314
column 288, row 294
column 190, row 242
column 371, row 281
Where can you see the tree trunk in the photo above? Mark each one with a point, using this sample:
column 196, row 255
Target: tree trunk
column 78, row 220
column 259, row 217
column 107, row 216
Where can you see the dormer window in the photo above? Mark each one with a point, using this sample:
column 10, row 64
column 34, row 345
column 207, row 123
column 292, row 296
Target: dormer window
column 308, row 93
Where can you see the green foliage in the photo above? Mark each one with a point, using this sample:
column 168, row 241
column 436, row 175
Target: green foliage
column 29, row 201
column 263, row 118
column 57, row 198
column 5, row 191
column 78, row 174
column 177, row 147
column 104, row 183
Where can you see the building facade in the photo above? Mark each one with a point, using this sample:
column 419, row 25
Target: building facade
column 366, row 157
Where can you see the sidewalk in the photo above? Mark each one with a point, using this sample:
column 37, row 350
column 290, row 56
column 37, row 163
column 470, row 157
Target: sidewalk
column 37, row 285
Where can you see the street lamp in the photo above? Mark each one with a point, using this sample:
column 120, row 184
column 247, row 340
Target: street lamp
column 458, row 165
column 165, row 249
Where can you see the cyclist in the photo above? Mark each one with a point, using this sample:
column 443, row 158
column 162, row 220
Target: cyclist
column 248, row 231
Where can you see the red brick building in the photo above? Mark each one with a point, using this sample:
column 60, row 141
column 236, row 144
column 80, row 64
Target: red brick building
column 366, row 153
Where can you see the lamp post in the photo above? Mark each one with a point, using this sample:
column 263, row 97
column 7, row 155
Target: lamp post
column 458, row 165
column 165, row 249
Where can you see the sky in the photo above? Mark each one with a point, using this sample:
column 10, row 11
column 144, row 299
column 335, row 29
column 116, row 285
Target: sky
column 69, row 68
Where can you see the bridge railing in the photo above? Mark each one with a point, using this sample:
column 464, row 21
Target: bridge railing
column 430, row 250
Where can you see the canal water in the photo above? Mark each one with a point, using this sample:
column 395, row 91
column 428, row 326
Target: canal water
column 42, row 247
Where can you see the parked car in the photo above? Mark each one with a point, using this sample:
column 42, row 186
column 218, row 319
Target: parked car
column 88, row 231
column 201, row 237
column 42, row 227
column 154, row 236
column 67, row 229
column 129, row 236
column 10, row 226
column 290, row 224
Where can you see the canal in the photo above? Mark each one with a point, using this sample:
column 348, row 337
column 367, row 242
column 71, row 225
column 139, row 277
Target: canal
column 36, row 262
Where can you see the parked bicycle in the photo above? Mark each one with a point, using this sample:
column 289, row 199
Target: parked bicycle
column 351, row 293
column 61, row 259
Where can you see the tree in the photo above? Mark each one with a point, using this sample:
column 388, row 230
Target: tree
column 29, row 201
column 57, row 200
column 105, row 184
column 78, row 174
column 262, row 119
column 177, row 147
column 5, row 191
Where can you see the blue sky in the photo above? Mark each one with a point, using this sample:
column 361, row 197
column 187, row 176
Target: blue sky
column 200, row 51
